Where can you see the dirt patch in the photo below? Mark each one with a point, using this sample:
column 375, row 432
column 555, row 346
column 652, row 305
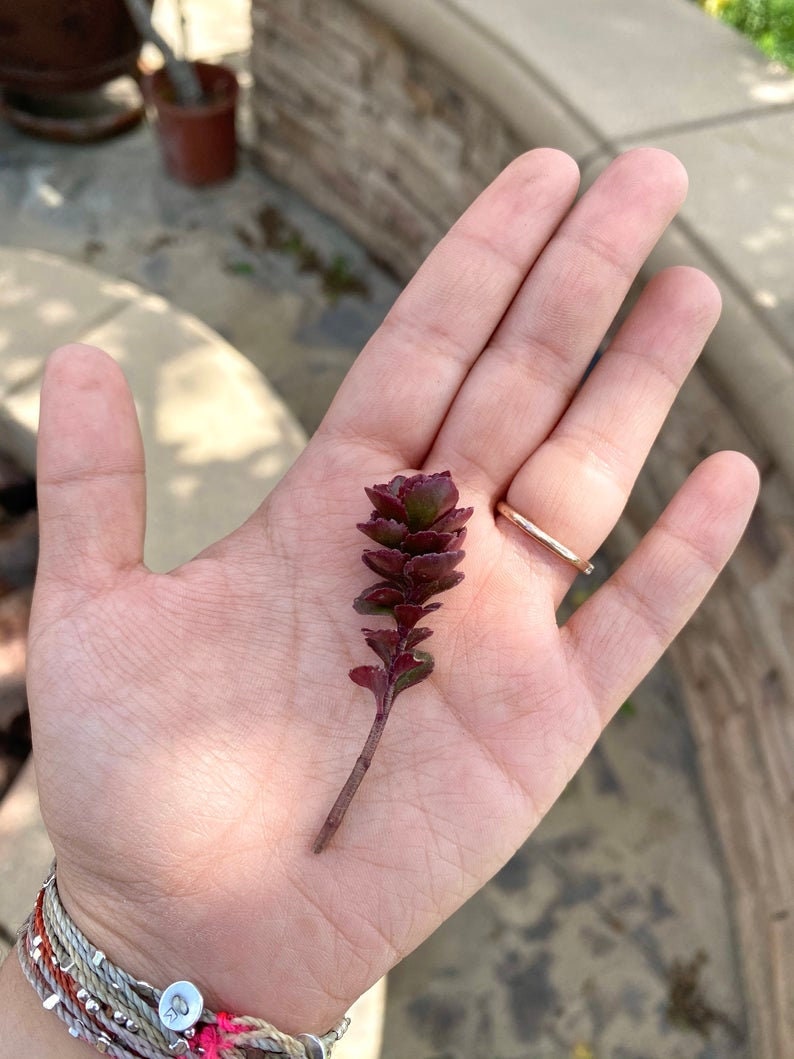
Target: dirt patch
column 687, row 1005
column 274, row 232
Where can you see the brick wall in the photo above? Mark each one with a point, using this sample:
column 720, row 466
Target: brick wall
column 368, row 129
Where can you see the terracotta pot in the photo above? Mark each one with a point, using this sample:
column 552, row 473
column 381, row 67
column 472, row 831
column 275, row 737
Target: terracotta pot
column 49, row 46
column 199, row 142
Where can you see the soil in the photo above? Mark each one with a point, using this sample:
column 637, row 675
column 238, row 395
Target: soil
column 279, row 234
column 687, row 1004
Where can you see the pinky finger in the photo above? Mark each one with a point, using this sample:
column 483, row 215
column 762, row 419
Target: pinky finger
column 616, row 637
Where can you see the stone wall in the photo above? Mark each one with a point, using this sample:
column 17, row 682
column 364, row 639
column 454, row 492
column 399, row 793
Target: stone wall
column 369, row 130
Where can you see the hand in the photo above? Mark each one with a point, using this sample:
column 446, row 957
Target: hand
column 192, row 729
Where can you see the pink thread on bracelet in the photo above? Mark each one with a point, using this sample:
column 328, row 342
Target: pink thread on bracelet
column 210, row 1043
column 227, row 1023
column 212, row 1039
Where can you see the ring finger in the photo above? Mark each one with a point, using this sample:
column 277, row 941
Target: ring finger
column 575, row 485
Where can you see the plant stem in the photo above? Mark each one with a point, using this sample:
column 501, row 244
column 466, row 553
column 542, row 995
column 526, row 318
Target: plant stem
column 183, row 44
column 187, row 87
column 340, row 806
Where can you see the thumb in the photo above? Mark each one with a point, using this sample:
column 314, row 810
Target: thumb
column 90, row 472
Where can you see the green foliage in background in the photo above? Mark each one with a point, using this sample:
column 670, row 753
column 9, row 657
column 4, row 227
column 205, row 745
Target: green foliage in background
column 770, row 23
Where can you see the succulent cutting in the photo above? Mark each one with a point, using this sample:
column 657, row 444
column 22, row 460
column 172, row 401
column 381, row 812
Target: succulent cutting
column 419, row 532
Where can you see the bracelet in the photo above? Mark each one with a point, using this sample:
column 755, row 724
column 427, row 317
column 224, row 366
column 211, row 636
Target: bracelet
column 125, row 1017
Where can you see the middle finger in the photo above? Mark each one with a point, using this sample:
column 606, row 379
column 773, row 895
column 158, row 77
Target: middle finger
column 525, row 379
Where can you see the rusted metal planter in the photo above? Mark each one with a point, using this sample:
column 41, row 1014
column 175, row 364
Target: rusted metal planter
column 52, row 46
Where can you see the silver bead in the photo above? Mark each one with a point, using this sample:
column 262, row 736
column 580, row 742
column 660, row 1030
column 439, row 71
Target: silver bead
column 131, row 1026
column 98, row 957
column 180, row 1047
column 180, row 1007
column 102, row 1043
column 73, row 1032
column 83, row 995
column 92, row 1006
column 52, row 1002
column 190, row 1034
column 119, row 1017
column 315, row 1049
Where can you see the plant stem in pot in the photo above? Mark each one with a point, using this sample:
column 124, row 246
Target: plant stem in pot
column 181, row 73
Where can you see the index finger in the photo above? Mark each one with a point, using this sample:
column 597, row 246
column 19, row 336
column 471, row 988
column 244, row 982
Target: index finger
column 397, row 394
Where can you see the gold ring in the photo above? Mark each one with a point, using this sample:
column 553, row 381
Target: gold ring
column 543, row 538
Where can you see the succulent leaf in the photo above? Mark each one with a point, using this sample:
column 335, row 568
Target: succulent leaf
column 378, row 599
column 421, row 669
column 433, row 566
column 427, row 498
column 386, row 503
column 373, row 677
column 383, row 642
column 416, row 636
column 424, row 591
column 455, row 520
column 409, row 614
column 428, row 541
column 385, row 531
column 388, row 562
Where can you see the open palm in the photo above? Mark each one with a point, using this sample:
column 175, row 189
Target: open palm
column 193, row 728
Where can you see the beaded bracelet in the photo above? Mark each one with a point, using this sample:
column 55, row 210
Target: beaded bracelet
column 126, row 1018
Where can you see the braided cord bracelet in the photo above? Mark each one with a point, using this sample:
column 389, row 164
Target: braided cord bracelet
column 125, row 1017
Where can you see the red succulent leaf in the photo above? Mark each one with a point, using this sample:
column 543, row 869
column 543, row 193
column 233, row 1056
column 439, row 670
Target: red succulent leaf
column 385, row 531
column 404, row 663
column 459, row 536
column 378, row 599
column 421, row 592
column 383, row 642
column 386, row 503
column 432, row 567
column 427, row 498
column 427, row 541
column 454, row 520
column 408, row 614
column 419, row 668
column 388, row 562
column 416, row 636
column 373, row 677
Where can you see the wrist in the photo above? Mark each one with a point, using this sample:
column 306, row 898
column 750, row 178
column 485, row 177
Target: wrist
column 25, row 1027
column 106, row 1006
column 183, row 940
column 293, row 1004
